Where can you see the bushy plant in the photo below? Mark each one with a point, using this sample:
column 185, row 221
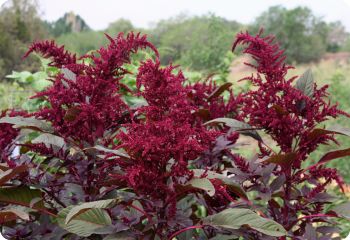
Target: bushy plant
column 94, row 164
column 29, row 83
column 303, row 35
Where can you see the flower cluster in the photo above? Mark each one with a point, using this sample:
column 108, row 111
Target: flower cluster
column 84, row 99
column 164, row 135
column 278, row 107
column 291, row 115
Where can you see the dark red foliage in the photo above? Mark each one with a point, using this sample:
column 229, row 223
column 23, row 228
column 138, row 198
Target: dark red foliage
column 209, row 105
column 84, row 102
column 164, row 135
column 290, row 117
column 49, row 49
column 8, row 134
column 100, row 146
column 277, row 106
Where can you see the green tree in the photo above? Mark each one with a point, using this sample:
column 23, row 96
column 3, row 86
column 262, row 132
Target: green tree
column 82, row 42
column 337, row 36
column 302, row 34
column 19, row 26
column 85, row 41
column 121, row 25
column 200, row 43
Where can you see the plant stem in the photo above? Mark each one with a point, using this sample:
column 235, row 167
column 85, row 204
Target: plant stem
column 184, row 230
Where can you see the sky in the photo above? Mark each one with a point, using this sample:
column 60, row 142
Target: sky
column 143, row 13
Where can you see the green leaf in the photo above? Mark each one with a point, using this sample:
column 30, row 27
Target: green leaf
column 22, row 77
column 86, row 223
column 21, row 196
column 77, row 210
column 235, row 218
column 22, row 122
column 49, row 140
column 238, row 126
column 306, row 83
column 343, row 210
column 204, row 184
column 40, row 83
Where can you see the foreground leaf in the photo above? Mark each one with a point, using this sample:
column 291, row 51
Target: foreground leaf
column 238, row 126
column 21, row 196
column 333, row 155
column 86, row 223
column 204, row 184
column 75, row 211
column 318, row 132
column 284, row 160
column 49, row 140
column 12, row 214
column 22, row 122
column 12, row 172
column 218, row 91
column 306, row 83
column 232, row 186
column 113, row 151
column 340, row 130
column 235, row 218
column 343, row 210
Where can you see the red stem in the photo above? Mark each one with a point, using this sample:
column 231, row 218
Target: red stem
column 184, row 230
column 141, row 211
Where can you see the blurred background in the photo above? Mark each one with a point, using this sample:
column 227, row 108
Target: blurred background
column 197, row 35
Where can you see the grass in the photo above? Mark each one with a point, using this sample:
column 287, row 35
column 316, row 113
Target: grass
column 12, row 95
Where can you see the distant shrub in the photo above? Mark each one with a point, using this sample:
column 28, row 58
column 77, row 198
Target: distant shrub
column 303, row 35
column 199, row 43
